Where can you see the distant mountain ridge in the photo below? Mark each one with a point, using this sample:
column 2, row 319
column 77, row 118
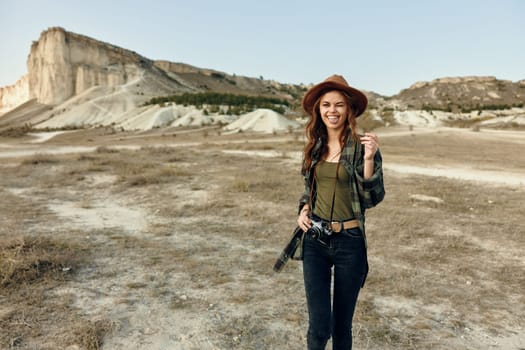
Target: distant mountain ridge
column 75, row 80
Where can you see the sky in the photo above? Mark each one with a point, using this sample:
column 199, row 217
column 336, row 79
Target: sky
column 382, row 46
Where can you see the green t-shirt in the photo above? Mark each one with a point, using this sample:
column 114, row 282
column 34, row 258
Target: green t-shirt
column 325, row 178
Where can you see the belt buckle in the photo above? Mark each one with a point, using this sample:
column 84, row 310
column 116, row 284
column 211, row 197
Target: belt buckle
column 341, row 226
column 328, row 229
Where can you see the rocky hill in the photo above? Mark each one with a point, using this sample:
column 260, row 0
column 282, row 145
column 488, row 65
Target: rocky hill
column 63, row 65
column 452, row 101
column 463, row 94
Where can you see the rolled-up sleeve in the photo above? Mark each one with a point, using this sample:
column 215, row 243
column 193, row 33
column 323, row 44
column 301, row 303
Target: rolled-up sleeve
column 305, row 196
column 371, row 190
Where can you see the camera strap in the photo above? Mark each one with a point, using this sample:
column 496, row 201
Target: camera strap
column 333, row 195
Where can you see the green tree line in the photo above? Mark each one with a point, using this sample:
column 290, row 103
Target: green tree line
column 469, row 108
column 239, row 103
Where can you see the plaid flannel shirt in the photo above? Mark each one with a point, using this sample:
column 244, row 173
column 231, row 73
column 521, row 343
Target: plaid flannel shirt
column 364, row 193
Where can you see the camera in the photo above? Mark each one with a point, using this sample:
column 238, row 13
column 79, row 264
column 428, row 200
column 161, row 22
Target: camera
column 318, row 229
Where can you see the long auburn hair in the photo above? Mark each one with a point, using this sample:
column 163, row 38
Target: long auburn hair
column 316, row 130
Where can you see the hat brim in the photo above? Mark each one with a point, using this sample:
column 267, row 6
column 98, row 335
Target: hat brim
column 358, row 99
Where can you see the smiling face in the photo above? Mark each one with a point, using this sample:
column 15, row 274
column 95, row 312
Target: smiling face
column 334, row 110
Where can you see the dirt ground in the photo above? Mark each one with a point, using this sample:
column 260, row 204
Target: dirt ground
column 166, row 240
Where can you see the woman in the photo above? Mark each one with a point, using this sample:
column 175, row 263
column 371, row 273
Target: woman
column 343, row 177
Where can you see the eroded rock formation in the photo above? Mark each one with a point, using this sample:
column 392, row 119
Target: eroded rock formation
column 14, row 95
column 62, row 64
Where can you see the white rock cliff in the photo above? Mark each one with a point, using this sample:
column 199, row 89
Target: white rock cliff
column 62, row 64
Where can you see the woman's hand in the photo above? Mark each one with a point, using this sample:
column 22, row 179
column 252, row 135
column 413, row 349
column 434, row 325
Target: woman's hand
column 303, row 220
column 371, row 144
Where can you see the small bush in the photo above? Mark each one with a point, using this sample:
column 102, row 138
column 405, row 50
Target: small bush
column 40, row 159
column 18, row 131
column 27, row 260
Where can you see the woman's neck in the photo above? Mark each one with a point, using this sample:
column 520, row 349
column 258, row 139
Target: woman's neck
column 334, row 136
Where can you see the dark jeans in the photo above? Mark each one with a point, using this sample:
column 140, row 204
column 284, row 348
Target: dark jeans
column 346, row 252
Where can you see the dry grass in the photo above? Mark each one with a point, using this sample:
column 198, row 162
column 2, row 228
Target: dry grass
column 29, row 267
column 455, row 148
column 90, row 334
column 27, row 260
column 443, row 275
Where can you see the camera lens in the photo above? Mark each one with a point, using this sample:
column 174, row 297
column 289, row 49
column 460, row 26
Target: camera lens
column 315, row 231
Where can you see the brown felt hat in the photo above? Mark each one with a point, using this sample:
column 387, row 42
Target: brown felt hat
column 335, row 82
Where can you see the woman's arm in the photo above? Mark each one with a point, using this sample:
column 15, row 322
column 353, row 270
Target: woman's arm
column 368, row 170
column 370, row 143
column 303, row 220
column 371, row 190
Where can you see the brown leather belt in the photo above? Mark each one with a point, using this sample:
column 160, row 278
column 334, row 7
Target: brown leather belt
column 338, row 226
